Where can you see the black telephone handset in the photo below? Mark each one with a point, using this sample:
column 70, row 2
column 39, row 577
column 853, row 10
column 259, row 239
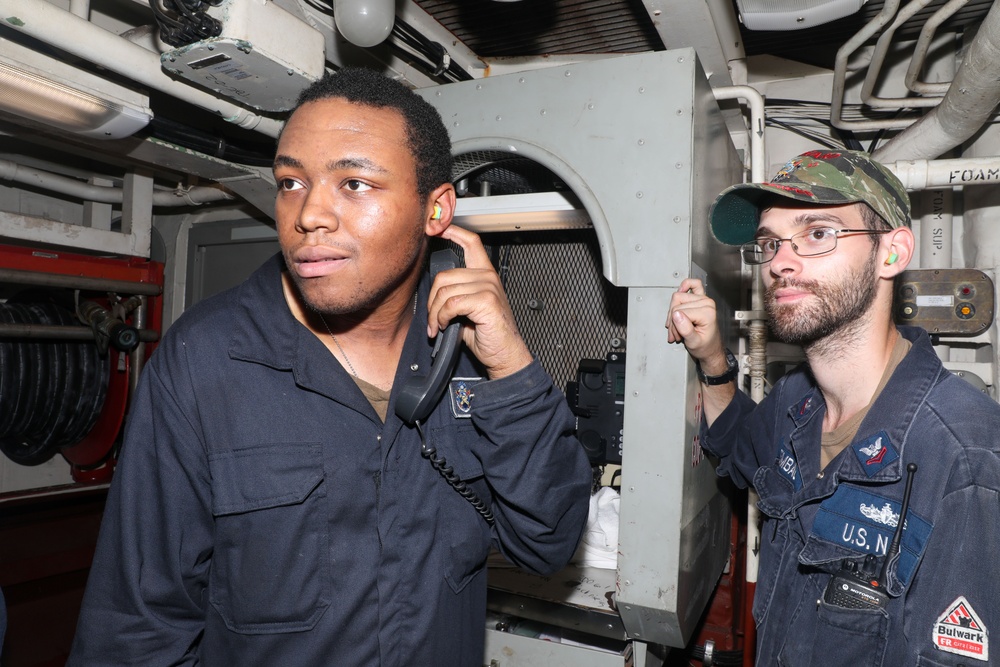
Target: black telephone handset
column 418, row 396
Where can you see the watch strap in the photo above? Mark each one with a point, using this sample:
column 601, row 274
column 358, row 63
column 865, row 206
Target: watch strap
column 731, row 372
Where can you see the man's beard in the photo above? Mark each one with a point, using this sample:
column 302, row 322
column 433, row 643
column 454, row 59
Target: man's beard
column 836, row 306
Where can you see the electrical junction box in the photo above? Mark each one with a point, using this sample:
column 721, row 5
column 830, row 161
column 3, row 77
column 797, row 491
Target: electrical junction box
column 264, row 57
column 945, row 302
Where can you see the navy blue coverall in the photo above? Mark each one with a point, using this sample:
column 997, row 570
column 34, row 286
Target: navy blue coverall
column 263, row 514
column 944, row 585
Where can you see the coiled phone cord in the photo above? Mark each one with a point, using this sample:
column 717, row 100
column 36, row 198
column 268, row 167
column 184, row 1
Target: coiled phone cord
column 439, row 464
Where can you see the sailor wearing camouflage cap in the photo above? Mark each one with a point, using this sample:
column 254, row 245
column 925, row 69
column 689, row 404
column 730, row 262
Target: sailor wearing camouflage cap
column 871, row 417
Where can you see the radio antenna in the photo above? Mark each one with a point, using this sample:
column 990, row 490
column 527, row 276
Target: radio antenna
column 911, row 468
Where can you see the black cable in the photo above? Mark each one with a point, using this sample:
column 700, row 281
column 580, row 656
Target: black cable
column 802, row 132
column 188, row 137
column 434, row 53
column 453, row 480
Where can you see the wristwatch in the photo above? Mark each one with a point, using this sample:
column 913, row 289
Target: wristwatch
column 728, row 376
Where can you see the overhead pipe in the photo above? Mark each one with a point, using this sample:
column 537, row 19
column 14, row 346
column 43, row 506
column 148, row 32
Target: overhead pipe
column 881, row 19
column 181, row 196
column 755, row 102
column 922, row 47
column 965, row 108
column 79, row 37
column 878, row 59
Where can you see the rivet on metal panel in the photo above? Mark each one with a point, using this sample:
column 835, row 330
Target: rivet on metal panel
column 291, row 73
column 479, row 86
column 456, row 123
column 543, row 112
column 680, row 112
column 638, row 195
column 638, row 298
column 642, row 90
column 638, row 247
column 499, row 118
column 521, row 80
column 677, row 274
column 677, row 218
column 641, row 142
column 590, row 106
column 681, row 59
column 627, row 582
column 568, row 73
column 438, row 93
column 679, row 165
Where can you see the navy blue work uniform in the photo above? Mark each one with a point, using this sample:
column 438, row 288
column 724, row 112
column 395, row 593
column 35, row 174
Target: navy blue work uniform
column 263, row 514
column 944, row 584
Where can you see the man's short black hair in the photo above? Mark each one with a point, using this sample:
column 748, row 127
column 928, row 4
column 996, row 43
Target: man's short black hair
column 426, row 134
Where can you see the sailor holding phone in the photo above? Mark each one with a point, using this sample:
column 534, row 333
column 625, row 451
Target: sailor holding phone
column 270, row 506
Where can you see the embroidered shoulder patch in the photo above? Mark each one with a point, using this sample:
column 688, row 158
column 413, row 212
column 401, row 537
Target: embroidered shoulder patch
column 959, row 630
column 864, row 523
column 461, row 395
column 875, row 453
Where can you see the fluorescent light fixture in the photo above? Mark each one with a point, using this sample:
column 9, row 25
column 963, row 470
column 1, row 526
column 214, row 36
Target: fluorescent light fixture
column 793, row 14
column 520, row 213
column 42, row 89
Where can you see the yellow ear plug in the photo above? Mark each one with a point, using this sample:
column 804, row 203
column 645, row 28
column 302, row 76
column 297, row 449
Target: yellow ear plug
column 891, row 259
column 437, row 212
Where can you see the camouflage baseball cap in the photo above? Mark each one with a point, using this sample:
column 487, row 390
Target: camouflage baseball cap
column 815, row 177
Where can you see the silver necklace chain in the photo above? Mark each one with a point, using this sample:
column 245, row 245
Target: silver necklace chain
column 336, row 342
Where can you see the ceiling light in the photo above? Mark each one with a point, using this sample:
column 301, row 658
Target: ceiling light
column 364, row 23
column 793, row 14
column 42, row 89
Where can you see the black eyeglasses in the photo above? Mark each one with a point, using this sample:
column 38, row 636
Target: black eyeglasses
column 809, row 243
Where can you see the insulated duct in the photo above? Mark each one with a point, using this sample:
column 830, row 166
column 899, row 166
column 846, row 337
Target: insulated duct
column 968, row 104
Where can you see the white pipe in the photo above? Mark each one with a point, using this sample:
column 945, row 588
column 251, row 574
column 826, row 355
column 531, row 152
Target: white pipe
column 878, row 59
column 969, row 103
column 757, row 349
column 840, row 73
column 80, row 8
column 755, row 101
column 932, row 174
column 11, row 171
column 923, row 45
column 83, row 39
column 936, row 226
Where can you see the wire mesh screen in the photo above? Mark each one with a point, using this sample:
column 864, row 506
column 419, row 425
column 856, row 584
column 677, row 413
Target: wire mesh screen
column 564, row 307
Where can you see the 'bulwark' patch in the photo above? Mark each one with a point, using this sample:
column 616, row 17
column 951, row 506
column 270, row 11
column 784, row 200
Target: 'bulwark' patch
column 460, row 396
column 959, row 630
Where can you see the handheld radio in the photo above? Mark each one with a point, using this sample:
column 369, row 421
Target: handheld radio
column 857, row 587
